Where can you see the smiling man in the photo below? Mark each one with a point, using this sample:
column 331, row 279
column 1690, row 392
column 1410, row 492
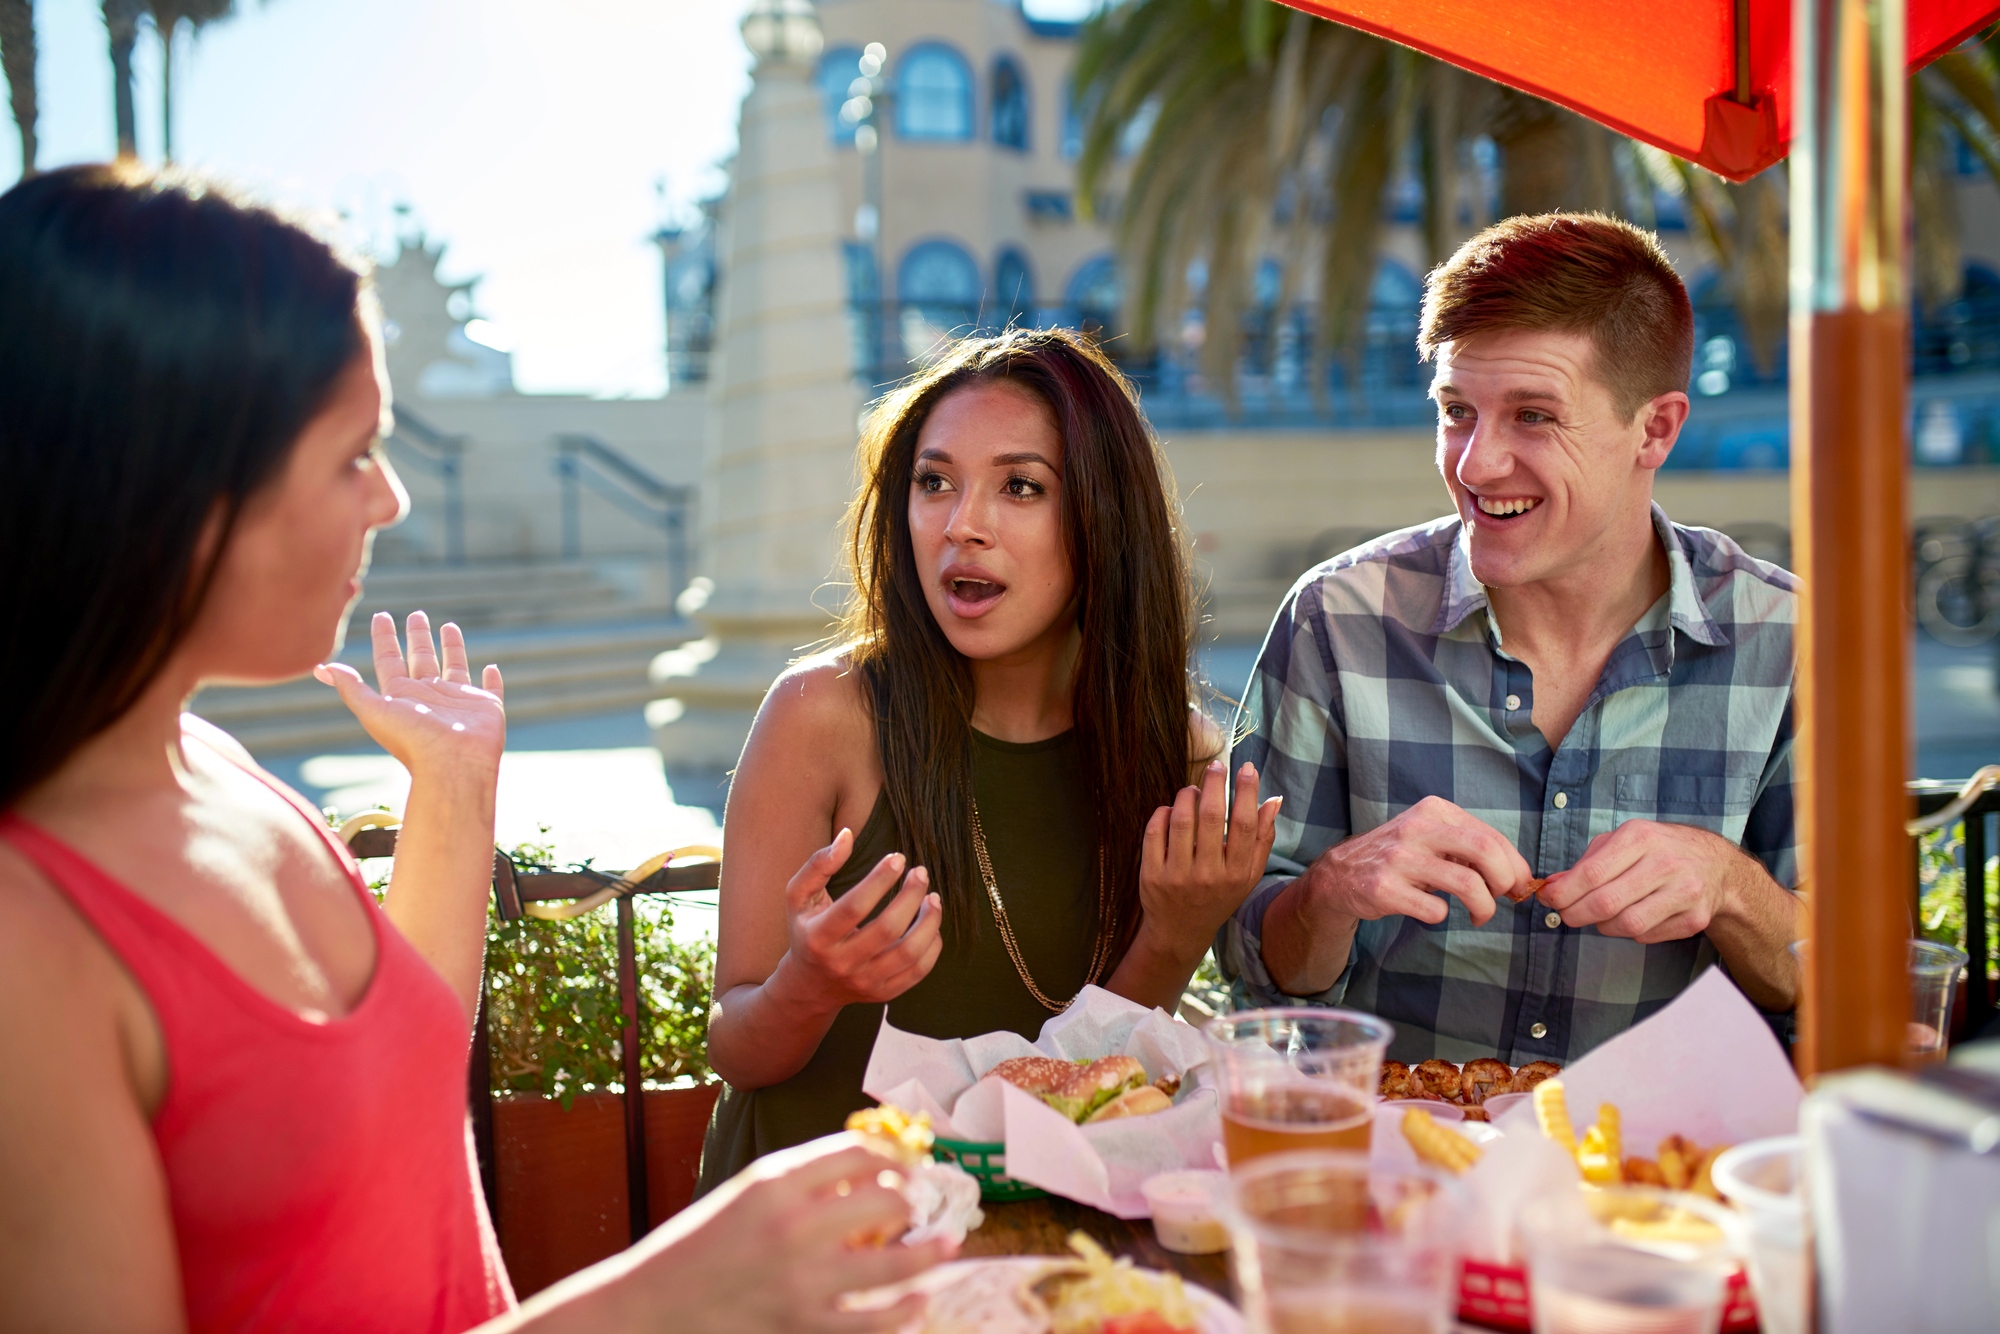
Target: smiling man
column 1536, row 756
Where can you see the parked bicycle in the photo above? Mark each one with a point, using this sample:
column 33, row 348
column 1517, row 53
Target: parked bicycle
column 1958, row 580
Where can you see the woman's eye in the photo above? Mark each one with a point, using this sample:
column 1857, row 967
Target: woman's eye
column 1023, row 486
column 930, row 483
column 370, row 458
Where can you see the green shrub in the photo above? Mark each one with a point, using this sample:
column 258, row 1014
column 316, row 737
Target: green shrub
column 552, row 1015
column 1941, row 884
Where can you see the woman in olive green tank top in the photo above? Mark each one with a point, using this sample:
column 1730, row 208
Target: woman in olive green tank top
column 1008, row 727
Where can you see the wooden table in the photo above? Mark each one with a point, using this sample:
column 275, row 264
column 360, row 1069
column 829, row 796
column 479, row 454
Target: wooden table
column 1042, row 1227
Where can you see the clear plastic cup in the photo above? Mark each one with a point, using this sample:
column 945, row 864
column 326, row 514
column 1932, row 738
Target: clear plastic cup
column 1187, row 1210
column 1442, row 1111
column 1626, row 1260
column 1761, row 1179
column 1497, row 1105
column 1326, row 1244
column 1934, row 974
column 1297, row 1079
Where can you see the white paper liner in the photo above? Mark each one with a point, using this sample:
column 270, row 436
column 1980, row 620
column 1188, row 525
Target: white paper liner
column 1100, row 1165
column 1707, row 1067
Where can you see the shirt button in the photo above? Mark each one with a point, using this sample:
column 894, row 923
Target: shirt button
column 1513, row 701
column 1562, row 800
column 1553, row 920
column 1539, row 1031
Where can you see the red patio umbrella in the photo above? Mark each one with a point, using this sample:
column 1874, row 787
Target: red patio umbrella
column 1707, row 80
column 1730, row 85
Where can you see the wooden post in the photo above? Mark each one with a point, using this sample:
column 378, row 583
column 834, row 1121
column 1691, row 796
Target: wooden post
column 1850, row 404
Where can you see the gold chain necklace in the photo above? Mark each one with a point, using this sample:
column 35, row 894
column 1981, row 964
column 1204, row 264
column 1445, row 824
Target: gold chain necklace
column 1100, row 953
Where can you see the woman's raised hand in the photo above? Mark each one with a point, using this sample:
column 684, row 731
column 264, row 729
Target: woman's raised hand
column 1194, row 872
column 426, row 713
column 839, row 956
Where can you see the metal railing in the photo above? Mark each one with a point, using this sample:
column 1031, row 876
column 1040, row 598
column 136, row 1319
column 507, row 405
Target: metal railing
column 514, row 890
column 584, row 460
column 1928, row 796
column 1740, row 419
column 422, row 445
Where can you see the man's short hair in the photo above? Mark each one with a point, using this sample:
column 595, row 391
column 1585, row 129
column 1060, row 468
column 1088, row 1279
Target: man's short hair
column 1571, row 273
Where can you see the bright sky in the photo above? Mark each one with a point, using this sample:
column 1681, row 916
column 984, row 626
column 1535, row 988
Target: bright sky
column 528, row 136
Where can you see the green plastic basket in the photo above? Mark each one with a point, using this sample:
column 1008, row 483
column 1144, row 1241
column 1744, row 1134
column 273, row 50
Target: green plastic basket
column 987, row 1162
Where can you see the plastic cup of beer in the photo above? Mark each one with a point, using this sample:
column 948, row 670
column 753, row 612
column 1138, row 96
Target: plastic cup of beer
column 1934, row 973
column 1626, row 1260
column 1297, row 1079
column 1325, row 1244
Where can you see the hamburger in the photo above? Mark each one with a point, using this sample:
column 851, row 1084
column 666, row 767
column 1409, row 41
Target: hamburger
column 1085, row 1091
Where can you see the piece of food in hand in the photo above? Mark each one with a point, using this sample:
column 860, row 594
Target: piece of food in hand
column 1532, row 1074
column 1529, row 889
column 1481, row 1079
column 1438, row 1079
column 1395, row 1080
column 1074, row 1088
column 894, row 1133
column 1168, row 1084
column 1141, row 1101
column 1437, row 1145
column 1100, row 1295
column 1552, row 1111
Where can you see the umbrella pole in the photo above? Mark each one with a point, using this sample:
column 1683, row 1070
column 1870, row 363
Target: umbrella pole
column 1849, row 401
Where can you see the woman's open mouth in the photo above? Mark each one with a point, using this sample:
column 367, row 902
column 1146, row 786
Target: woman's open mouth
column 970, row 595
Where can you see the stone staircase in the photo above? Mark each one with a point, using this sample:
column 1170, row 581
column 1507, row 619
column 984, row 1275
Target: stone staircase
column 570, row 637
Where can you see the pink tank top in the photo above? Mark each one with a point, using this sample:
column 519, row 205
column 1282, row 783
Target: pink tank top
column 321, row 1176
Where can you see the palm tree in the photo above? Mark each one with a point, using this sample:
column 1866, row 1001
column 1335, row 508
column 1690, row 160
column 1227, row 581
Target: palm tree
column 17, row 56
column 121, row 25
column 1272, row 132
column 168, row 15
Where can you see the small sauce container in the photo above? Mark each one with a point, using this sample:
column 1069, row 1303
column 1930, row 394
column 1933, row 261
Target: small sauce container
column 1187, row 1211
column 1441, row 1111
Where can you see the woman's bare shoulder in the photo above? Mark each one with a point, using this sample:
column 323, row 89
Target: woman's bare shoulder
column 820, row 700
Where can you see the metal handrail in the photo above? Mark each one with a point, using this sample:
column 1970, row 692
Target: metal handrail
column 517, row 891
column 1939, row 805
column 584, row 460
column 433, row 451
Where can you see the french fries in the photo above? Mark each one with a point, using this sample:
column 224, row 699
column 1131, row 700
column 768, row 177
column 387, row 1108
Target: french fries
column 1682, row 1164
column 1436, row 1145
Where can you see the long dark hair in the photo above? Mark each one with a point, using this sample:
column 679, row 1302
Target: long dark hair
column 162, row 344
column 1134, row 609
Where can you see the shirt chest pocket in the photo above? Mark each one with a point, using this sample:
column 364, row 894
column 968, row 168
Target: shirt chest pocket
column 1686, row 798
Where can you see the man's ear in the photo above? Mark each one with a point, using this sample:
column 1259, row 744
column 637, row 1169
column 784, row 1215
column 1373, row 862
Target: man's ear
column 1661, row 419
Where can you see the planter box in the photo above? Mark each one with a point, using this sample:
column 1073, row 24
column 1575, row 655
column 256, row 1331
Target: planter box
column 561, row 1175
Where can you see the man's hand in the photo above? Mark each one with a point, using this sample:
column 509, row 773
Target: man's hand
column 1399, row 868
column 1651, row 882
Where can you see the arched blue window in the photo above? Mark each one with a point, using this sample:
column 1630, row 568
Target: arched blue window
column 939, row 275
column 1014, row 288
column 837, row 69
column 1070, row 145
column 934, row 94
column 1093, row 294
column 1010, row 104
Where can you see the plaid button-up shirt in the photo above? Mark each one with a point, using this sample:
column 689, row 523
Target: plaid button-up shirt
column 1384, row 680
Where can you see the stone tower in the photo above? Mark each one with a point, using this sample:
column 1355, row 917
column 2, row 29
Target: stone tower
column 783, row 406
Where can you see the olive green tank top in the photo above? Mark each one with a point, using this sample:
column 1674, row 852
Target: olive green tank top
column 1035, row 810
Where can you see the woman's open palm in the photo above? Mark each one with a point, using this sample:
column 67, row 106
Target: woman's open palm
column 425, row 712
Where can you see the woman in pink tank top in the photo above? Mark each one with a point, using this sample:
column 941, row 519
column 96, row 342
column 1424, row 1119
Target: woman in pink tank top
column 234, row 1090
